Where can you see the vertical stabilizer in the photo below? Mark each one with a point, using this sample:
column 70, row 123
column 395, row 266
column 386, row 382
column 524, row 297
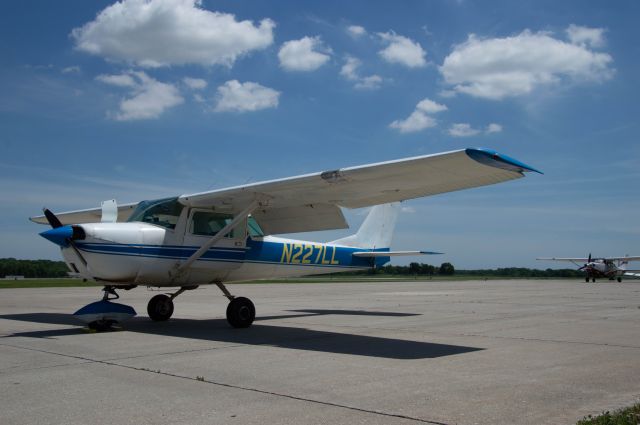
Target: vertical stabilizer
column 376, row 231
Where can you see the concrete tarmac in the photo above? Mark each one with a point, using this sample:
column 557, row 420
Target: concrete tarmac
column 497, row 352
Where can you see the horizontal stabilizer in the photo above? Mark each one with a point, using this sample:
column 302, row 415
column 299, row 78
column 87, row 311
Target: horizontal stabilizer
column 393, row 253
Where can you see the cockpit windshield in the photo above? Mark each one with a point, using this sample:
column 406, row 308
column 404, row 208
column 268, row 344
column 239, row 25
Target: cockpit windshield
column 161, row 212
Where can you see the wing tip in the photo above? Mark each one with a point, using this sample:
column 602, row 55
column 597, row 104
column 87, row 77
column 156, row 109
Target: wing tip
column 494, row 159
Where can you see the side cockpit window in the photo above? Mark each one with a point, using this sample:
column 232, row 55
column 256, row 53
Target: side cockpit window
column 206, row 223
column 161, row 212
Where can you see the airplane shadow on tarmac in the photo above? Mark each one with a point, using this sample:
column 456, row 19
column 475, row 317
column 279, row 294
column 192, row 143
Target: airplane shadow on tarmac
column 268, row 335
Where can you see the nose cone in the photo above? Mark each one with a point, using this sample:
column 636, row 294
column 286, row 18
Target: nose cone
column 59, row 235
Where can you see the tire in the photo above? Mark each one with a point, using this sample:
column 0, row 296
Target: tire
column 160, row 308
column 619, row 280
column 241, row 312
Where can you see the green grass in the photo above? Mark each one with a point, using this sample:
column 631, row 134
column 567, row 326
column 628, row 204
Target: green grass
column 44, row 283
column 628, row 416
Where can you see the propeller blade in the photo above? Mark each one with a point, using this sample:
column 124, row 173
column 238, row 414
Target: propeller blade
column 588, row 261
column 52, row 219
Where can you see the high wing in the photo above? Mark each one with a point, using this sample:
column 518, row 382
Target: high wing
column 374, row 254
column 571, row 260
column 312, row 202
column 584, row 260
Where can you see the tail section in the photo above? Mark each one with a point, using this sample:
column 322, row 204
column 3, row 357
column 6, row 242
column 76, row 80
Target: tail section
column 377, row 229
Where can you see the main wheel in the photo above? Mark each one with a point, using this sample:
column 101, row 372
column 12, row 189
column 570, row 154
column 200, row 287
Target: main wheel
column 160, row 308
column 586, row 279
column 619, row 280
column 593, row 280
column 241, row 312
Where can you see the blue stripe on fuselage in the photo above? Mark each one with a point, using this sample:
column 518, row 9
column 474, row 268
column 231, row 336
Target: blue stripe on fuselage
column 285, row 253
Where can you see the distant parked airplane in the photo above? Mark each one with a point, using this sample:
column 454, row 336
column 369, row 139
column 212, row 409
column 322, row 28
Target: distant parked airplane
column 606, row 267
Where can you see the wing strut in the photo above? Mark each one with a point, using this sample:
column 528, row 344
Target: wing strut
column 221, row 234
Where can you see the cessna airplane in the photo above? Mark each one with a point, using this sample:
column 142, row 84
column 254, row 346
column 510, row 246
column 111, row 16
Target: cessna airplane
column 609, row 267
column 224, row 235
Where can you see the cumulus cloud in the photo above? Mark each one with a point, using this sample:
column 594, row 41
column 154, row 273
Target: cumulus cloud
column 372, row 82
column 306, row 54
column 195, row 83
column 419, row 120
column 462, row 130
column 120, row 80
column 154, row 33
column 593, row 37
column 465, row 130
column 356, row 31
column 402, row 50
column 350, row 72
column 71, row 70
column 148, row 98
column 501, row 67
column 234, row 96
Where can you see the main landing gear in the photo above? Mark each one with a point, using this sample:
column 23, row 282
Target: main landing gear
column 240, row 312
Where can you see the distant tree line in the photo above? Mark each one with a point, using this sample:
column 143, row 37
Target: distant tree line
column 447, row 269
column 32, row 268
column 47, row 268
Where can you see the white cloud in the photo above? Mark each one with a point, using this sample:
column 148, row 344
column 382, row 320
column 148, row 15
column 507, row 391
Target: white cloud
column 119, row 80
column 462, row 130
column 195, row 83
column 501, row 67
column 356, row 31
column 402, row 50
column 71, row 70
column 372, row 82
column 493, row 128
column 306, row 54
column 350, row 71
column 234, row 96
column 154, row 33
column 430, row 107
column 419, row 120
column 148, row 99
column 593, row 37
column 350, row 68
column 408, row 210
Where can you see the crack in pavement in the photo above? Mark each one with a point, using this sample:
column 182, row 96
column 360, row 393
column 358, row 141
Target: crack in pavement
column 237, row 387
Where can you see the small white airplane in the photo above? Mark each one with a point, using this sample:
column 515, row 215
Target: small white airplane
column 224, row 235
column 606, row 267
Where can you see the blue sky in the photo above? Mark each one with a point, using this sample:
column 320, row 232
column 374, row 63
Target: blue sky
column 141, row 100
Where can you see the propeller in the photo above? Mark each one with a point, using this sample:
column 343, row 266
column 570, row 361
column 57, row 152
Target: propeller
column 63, row 235
column 51, row 218
column 587, row 263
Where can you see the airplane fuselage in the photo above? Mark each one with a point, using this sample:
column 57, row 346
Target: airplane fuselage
column 124, row 254
column 601, row 269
